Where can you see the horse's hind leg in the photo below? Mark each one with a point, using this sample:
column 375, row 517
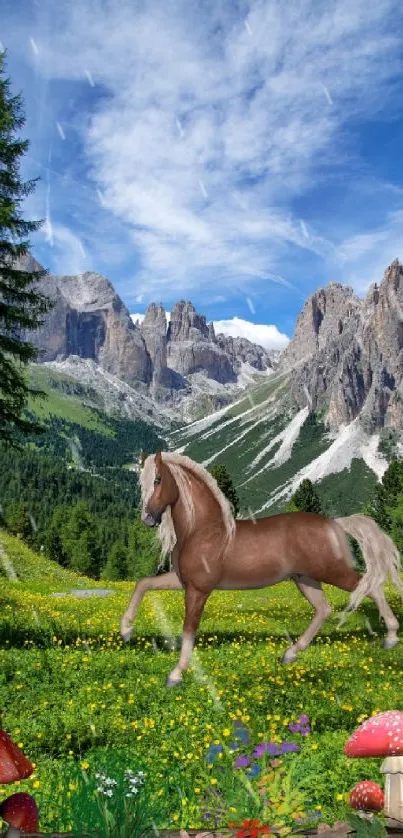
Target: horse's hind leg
column 391, row 622
column 312, row 591
column 165, row 582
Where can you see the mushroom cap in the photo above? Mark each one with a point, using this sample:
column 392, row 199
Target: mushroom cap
column 21, row 811
column 378, row 736
column 367, row 795
column 13, row 764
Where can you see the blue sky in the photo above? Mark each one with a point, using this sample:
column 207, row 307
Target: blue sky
column 237, row 154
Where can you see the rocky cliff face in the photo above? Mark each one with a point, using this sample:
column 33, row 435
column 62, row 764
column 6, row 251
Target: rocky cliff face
column 241, row 350
column 330, row 315
column 192, row 346
column 90, row 321
column 347, row 354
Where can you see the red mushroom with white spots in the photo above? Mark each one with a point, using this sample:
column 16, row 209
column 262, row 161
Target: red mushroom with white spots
column 382, row 736
column 367, row 796
column 19, row 810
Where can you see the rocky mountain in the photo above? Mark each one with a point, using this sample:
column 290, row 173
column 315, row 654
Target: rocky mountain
column 328, row 409
column 90, row 321
column 331, row 412
column 174, row 363
column 242, row 351
column 346, row 354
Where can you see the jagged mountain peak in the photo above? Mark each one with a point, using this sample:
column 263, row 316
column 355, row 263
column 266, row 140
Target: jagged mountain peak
column 347, row 354
column 88, row 291
column 155, row 313
column 327, row 314
column 27, row 263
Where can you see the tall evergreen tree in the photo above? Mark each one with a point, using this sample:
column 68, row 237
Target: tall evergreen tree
column 224, row 480
column 305, row 499
column 143, row 551
column 19, row 521
column 21, row 305
column 386, row 496
column 80, row 540
column 115, row 568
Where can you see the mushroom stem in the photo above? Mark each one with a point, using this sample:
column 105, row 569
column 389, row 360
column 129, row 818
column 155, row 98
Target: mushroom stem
column 392, row 767
column 12, row 832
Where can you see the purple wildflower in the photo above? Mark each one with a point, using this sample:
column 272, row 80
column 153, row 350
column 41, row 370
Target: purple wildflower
column 272, row 748
column 260, row 750
column 242, row 762
column 288, row 747
column 303, row 719
column 294, row 728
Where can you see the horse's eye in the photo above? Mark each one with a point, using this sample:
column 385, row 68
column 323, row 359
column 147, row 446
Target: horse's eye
column 157, row 481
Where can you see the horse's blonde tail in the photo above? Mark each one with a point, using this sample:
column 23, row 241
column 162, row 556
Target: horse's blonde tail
column 381, row 556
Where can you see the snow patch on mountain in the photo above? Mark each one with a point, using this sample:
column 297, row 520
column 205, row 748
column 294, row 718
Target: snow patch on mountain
column 290, row 435
column 350, row 443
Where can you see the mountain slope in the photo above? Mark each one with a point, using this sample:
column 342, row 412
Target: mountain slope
column 329, row 410
column 332, row 412
column 269, row 446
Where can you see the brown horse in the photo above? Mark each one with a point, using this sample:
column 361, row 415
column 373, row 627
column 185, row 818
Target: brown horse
column 212, row 551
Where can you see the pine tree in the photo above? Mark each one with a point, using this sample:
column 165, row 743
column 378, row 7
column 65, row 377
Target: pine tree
column 80, row 540
column 224, row 480
column 19, row 521
column 143, row 551
column 305, row 499
column 386, row 496
column 115, row 568
column 21, row 305
column 54, row 537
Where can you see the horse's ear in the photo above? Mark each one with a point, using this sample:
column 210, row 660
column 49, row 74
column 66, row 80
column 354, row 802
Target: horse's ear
column 142, row 458
column 158, row 459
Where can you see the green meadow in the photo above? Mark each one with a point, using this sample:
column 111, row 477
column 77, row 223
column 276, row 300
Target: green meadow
column 80, row 703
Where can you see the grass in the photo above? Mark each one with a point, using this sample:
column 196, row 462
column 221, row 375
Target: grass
column 64, row 403
column 78, row 702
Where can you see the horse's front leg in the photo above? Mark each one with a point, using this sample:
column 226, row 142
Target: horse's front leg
column 194, row 604
column 165, row 582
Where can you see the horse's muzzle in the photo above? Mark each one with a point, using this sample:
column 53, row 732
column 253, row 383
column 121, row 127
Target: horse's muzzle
column 151, row 521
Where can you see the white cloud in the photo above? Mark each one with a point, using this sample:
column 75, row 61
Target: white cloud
column 214, row 122
column 264, row 335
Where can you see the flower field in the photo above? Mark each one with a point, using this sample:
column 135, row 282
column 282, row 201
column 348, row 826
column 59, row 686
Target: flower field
column 243, row 738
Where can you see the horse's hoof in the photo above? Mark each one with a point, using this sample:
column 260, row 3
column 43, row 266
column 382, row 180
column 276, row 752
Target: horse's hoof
column 171, row 682
column 126, row 634
column 289, row 657
column 390, row 643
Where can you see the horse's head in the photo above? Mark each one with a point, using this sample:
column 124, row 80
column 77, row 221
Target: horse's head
column 165, row 494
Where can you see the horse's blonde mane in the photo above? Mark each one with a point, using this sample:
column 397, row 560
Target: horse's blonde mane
column 178, row 464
